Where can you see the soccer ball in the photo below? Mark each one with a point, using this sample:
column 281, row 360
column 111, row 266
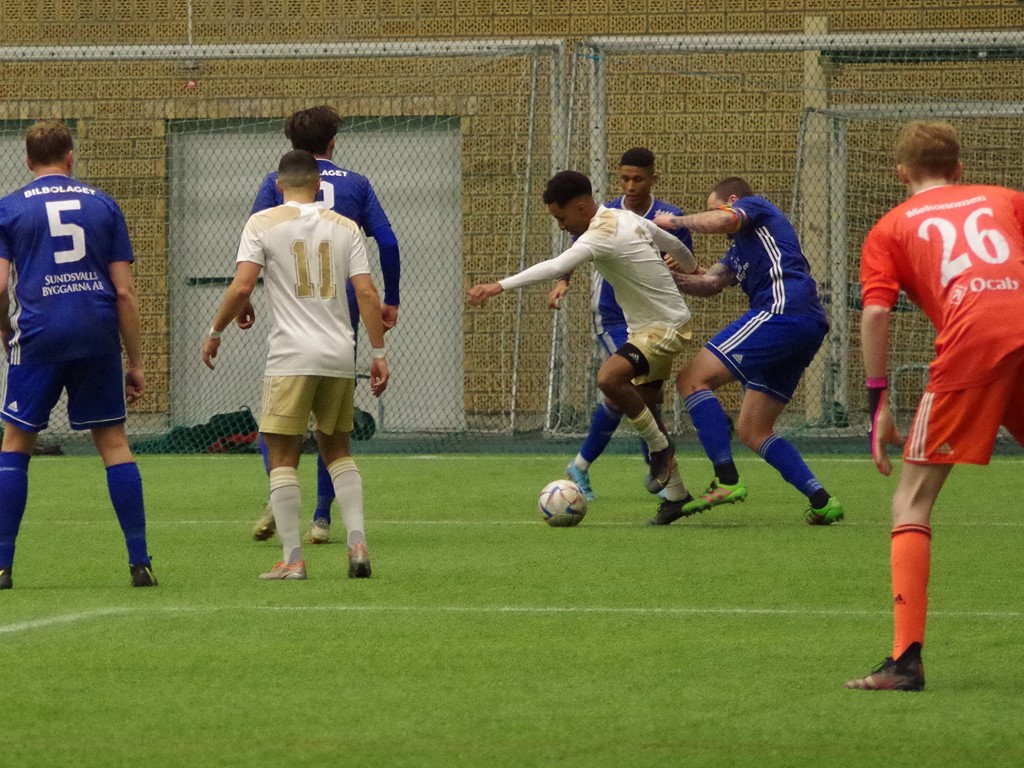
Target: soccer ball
column 562, row 504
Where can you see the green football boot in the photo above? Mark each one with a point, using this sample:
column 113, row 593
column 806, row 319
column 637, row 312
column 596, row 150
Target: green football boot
column 716, row 495
column 830, row 513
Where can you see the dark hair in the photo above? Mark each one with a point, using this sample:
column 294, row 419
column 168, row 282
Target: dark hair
column 641, row 157
column 312, row 129
column 298, row 168
column 732, row 185
column 565, row 186
column 48, row 141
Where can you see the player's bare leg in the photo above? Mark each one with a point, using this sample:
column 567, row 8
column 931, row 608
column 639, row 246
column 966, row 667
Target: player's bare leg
column 615, row 380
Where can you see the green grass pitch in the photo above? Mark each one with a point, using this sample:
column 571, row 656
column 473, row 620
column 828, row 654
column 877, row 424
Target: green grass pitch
column 486, row 639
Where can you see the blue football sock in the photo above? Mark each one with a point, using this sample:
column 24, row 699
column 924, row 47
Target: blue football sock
column 602, row 427
column 324, row 491
column 125, row 486
column 13, row 496
column 781, row 454
column 264, row 453
column 712, row 425
column 727, row 473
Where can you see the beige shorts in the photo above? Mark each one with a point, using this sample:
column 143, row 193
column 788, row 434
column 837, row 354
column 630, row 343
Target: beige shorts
column 288, row 402
column 661, row 345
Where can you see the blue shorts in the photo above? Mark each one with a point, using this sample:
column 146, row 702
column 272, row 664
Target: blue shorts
column 610, row 337
column 769, row 353
column 95, row 388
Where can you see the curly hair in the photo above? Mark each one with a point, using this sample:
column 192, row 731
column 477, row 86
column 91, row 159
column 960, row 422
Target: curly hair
column 565, row 186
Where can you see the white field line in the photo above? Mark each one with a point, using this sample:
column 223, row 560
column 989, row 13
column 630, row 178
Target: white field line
column 756, row 613
column 66, row 618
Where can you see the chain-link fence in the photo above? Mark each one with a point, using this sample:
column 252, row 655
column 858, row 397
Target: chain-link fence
column 810, row 120
column 458, row 139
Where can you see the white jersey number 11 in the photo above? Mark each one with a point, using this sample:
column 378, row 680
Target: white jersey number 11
column 304, row 288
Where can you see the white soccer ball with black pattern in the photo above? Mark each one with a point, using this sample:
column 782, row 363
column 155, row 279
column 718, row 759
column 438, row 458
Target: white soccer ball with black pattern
column 562, row 504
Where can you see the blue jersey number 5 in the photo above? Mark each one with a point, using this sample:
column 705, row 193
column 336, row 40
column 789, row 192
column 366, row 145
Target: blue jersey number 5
column 60, row 228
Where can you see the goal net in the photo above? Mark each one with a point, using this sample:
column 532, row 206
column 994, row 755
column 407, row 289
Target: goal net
column 457, row 139
column 810, row 121
column 861, row 186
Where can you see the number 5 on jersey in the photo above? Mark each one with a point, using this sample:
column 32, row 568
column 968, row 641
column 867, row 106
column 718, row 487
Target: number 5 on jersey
column 59, row 228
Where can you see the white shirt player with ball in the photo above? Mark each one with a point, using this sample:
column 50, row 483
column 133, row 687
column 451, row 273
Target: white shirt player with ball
column 626, row 249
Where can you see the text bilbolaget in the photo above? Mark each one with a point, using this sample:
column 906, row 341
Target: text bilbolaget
column 58, row 188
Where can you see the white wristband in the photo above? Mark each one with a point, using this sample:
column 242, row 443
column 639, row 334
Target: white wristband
column 214, row 333
column 378, row 352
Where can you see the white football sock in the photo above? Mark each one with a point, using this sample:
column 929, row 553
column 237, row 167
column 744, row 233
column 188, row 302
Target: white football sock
column 348, row 490
column 676, row 489
column 648, row 429
column 286, row 504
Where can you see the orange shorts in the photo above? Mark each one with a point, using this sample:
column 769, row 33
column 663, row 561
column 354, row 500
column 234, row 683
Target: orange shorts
column 960, row 427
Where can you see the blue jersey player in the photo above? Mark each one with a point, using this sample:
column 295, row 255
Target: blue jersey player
column 350, row 194
column 637, row 178
column 767, row 349
column 67, row 304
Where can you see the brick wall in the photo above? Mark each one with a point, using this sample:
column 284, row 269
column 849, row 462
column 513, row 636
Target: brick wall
column 705, row 115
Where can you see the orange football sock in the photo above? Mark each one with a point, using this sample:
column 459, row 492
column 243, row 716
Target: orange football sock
column 911, row 560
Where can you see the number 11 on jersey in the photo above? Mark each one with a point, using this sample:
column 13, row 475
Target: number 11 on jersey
column 304, row 288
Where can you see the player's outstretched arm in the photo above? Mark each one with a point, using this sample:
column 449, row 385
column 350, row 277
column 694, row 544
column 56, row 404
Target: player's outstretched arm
column 675, row 266
column 676, row 249
column 714, row 222
column 709, row 282
column 479, row 294
column 550, row 269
